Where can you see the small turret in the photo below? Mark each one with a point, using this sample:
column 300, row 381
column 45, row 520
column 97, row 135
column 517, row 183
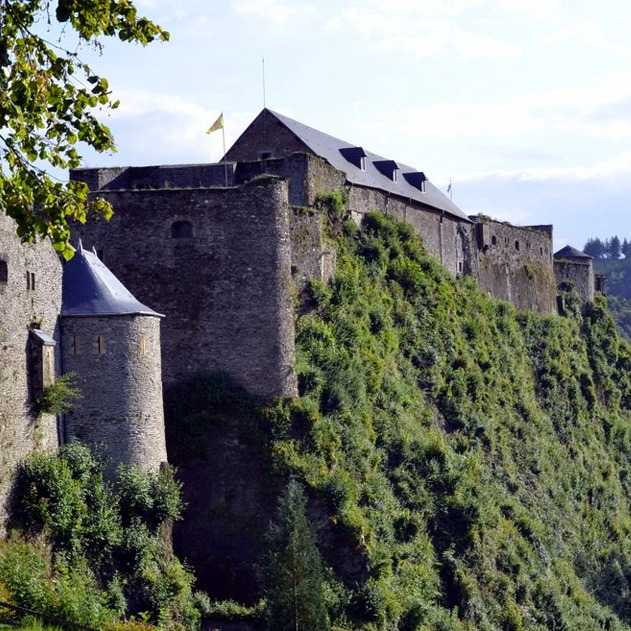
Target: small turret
column 575, row 267
column 112, row 343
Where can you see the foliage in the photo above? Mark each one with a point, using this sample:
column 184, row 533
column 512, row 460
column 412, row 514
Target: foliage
column 49, row 102
column 470, row 463
column 294, row 580
column 113, row 528
column 59, row 397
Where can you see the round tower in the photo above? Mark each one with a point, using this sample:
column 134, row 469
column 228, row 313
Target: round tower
column 112, row 344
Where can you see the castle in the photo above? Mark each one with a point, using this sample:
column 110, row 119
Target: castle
column 219, row 249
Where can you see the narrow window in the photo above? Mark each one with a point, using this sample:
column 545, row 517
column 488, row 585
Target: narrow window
column 142, row 346
column 30, row 281
column 182, row 230
column 493, row 240
column 74, row 346
column 362, row 163
column 4, row 272
column 517, row 245
column 100, row 345
column 460, row 267
column 541, row 250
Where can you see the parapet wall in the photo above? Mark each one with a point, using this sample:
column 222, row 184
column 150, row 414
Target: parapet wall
column 217, row 263
column 30, row 294
column 515, row 264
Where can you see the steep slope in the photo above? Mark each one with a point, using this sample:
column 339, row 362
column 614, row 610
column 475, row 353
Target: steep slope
column 468, row 466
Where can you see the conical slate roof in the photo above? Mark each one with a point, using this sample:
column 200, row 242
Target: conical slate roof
column 568, row 252
column 90, row 289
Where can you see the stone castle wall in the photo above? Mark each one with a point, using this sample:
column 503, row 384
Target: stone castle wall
column 217, row 262
column 117, row 363
column 515, row 264
column 30, row 293
column 580, row 274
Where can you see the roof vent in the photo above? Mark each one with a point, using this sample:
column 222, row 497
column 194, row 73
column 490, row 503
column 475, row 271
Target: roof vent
column 416, row 179
column 389, row 168
column 355, row 155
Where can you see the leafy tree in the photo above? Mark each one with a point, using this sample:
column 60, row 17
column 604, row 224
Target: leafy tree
column 295, row 584
column 594, row 247
column 48, row 103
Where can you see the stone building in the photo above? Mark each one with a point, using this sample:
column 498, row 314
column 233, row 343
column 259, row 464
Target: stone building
column 220, row 250
column 121, row 402
column 573, row 267
column 111, row 342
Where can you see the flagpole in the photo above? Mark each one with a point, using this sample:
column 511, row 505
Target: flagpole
column 225, row 164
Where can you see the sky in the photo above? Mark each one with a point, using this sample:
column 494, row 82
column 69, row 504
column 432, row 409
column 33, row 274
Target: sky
column 523, row 105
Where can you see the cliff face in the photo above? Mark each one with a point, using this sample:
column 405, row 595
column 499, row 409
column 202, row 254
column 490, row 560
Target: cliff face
column 468, row 466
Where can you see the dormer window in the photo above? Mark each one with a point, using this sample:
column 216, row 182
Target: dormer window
column 355, row 155
column 389, row 168
column 416, row 179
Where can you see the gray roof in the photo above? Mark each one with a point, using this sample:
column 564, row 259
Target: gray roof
column 378, row 173
column 568, row 252
column 90, row 289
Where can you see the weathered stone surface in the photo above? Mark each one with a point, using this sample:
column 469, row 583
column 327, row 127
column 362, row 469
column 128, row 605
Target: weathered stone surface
column 29, row 296
column 117, row 364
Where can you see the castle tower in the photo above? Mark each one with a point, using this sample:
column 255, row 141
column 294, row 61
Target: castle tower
column 112, row 343
column 575, row 267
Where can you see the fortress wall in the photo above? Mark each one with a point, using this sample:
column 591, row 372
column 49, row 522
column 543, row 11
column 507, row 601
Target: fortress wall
column 515, row 264
column 20, row 306
column 579, row 274
column 117, row 362
column 441, row 234
column 225, row 290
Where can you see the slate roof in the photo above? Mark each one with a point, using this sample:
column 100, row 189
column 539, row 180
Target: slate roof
column 90, row 289
column 378, row 174
column 568, row 252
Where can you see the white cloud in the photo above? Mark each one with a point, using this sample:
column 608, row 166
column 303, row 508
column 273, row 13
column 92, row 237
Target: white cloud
column 276, row 11
column 404, row 28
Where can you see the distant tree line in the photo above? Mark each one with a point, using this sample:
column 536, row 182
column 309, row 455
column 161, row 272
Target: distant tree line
column 611, row 248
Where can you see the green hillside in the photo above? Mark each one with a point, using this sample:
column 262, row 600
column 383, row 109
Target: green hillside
column 467, row 466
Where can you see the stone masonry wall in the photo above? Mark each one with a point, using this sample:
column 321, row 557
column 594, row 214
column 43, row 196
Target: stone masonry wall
column 117, row 362
column 226, row 290
column 22, row 304
column 515, row 264
column 579, row 274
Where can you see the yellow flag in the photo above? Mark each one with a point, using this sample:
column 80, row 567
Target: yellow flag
column 218, row 124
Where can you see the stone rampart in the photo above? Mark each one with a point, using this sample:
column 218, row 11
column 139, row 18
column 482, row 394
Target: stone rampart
column 515, row 264
column 30, row 295
column 217, row 262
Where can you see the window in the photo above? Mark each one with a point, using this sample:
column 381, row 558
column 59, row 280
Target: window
column 182, row 230
column 99, row 346
column 74, row 346
column 4, row 272
column 142, row 346
column 517, row 245
column 493, row 240
column 362, row 163
column 30, row 281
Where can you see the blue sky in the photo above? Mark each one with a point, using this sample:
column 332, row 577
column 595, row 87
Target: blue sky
column 524, row 104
